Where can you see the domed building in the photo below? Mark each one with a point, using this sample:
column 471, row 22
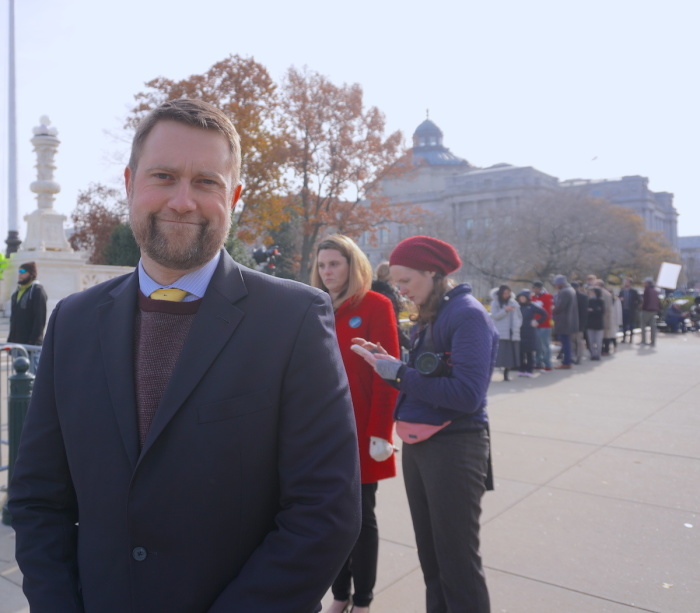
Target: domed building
column 460, row 197
column 456, row 195
column 428, row 148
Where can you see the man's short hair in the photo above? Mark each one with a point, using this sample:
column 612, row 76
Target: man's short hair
column 537, row 284
column 195, row 113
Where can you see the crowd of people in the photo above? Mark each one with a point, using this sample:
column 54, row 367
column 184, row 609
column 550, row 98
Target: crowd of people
column 582, row 317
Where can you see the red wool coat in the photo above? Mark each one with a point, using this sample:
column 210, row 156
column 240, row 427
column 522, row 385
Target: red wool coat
column 373, row 400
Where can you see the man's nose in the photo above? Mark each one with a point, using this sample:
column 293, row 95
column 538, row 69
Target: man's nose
column 182, row 200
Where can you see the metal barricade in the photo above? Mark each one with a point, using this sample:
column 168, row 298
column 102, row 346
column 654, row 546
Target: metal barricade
column 8, row 353
column 20, row 385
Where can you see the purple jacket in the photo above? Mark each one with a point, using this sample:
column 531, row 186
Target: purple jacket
column 463, row 328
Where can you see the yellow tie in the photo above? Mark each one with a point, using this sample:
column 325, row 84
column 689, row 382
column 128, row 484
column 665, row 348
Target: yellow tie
column 173, row 294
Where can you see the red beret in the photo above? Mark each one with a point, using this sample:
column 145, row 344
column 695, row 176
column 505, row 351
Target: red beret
column 425, row 253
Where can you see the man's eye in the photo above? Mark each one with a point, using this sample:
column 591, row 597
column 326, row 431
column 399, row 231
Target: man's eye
column 163, row 176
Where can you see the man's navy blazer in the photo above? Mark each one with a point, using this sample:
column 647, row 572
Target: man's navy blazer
column 245, row 496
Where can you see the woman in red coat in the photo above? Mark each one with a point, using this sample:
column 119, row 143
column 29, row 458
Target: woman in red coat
column 343, row 270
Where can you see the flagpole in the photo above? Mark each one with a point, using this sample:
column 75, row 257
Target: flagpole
column 13, row 242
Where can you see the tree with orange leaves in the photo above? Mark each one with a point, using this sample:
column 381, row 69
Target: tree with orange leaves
column 338, row 154
column 312, row 155
column 99, row 211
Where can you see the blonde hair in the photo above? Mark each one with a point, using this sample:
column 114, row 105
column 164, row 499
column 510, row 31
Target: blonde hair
column 359, row 269
column 382, row 272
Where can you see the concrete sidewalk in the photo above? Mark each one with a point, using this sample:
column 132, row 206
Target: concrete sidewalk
column 597, row 501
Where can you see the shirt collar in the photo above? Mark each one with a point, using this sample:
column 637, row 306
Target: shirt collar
column 195, row 282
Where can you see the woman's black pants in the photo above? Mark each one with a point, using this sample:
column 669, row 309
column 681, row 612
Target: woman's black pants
column 445, row 480
column 361, row 567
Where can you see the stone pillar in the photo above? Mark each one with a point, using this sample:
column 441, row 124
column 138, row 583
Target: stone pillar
column 45, row 225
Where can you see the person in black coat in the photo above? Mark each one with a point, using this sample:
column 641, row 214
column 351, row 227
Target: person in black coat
column 241, row 492
column 28, row 315
column 578, row 338
column 528, row 334
column 630, row 299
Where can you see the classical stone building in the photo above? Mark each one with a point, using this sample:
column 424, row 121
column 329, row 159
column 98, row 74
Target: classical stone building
column 462, row 197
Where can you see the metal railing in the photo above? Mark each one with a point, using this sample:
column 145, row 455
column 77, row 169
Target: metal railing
column 8, row 353
column 18, row 361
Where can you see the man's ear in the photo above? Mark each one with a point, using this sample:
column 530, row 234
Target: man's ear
column 127, row 179
column 236, row 194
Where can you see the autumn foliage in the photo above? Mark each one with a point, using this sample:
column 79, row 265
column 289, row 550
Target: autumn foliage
column 99, row 211
column 338, row 153
column 311, row 151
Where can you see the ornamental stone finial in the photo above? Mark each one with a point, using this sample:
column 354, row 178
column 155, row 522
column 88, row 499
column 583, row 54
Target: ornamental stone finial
column 45, row 146
column 43, row 129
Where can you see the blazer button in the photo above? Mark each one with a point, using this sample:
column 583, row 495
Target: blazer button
column 139, row 554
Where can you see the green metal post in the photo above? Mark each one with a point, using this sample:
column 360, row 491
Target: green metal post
column 21, row 384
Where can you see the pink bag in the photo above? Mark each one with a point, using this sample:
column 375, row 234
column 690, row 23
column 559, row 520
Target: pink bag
column 415, row 433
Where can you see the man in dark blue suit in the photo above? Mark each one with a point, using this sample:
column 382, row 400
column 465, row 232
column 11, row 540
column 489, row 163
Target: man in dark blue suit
column 190, row 445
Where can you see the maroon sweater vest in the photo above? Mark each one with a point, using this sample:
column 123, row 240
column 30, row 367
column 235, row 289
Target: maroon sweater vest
column 159, row 336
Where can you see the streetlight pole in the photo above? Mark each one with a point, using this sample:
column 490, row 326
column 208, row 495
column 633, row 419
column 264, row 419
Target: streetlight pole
column 13, row 241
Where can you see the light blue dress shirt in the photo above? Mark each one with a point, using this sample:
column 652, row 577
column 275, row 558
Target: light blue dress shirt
column 195, row 282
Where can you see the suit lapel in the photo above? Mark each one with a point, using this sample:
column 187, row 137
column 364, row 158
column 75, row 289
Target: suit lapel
column 214, row 323
column 116, row 333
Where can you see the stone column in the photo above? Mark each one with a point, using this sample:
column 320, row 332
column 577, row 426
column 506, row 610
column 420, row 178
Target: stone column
column 45, row 225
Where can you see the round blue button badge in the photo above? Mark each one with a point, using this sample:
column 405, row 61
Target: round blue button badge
column 355, row 321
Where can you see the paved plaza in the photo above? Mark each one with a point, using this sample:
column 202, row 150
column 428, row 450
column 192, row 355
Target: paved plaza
column 597, row 501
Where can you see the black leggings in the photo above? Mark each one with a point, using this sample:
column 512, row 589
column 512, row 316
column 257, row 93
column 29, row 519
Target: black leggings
column 361, row 567
column 607, row 342
column 527, row 360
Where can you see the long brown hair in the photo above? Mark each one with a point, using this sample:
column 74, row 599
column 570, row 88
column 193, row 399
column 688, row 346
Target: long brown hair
column 428, row 311
column 359, row 273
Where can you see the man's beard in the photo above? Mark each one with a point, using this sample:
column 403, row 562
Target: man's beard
column 179, row 253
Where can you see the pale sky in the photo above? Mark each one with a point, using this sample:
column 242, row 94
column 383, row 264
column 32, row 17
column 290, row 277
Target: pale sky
column 596, row 89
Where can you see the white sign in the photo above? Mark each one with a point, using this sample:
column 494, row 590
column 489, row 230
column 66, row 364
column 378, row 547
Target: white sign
column 668, row 275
